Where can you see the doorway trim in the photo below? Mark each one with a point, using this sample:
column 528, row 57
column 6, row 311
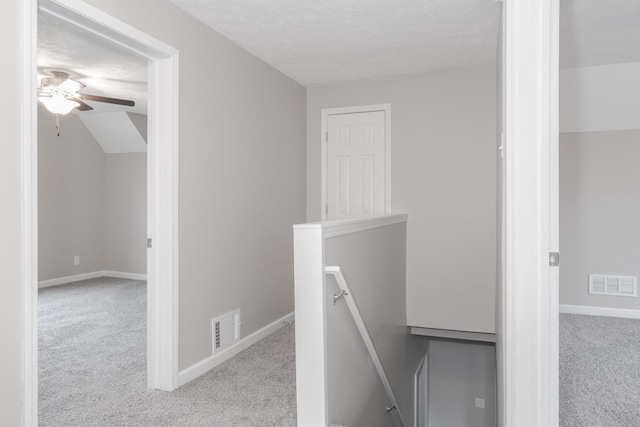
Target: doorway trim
column 162, row 190
column 324, row 120
column 528, row 330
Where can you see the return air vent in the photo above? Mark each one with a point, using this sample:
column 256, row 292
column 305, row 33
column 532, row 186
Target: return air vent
column 622, row 286
column 226, row 331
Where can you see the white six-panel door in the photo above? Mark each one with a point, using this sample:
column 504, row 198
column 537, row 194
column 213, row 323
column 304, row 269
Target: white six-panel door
column 356, row 165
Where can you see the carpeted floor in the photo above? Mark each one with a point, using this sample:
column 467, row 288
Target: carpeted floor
column 599, row 371
column 92, row 368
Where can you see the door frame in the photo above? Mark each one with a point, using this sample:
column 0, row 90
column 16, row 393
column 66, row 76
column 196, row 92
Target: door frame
column 528, row 333
column 324, row 122
column 162, row 190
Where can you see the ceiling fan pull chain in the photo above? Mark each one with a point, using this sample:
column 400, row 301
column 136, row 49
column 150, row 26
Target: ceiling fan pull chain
column 58, row 124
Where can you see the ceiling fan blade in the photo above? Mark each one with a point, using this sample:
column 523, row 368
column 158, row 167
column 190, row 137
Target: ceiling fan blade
column 82, row 106
column 71, row 86
column 88, row 97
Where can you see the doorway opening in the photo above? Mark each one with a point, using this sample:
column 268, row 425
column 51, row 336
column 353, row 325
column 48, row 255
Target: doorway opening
column 599, row 169
column 162, row 173
column 92, row 211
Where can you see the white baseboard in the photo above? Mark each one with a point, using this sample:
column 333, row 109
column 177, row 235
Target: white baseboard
column 122, row 275
column 600, row 311
column 205, row 365
column 92, row 275
column 69, row 279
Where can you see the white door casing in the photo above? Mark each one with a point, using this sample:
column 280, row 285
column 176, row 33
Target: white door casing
column 162, row 178
column 356, row 162
column 528, row 333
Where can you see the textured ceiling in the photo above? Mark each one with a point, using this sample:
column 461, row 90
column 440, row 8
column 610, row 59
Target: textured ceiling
column 596, row 32
column 106, row 68
column 319, row 42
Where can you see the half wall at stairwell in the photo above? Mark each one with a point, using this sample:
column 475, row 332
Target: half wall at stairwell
column 334, row 361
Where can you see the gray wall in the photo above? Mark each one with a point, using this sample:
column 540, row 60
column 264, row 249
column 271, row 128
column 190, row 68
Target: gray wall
column 443, row 174
column 460, row 372
column 125, row 213
column 235, row 110
column 11, row 248
column 241, row 177
column 70, row 198
column 599, row 213
column 90, row 204
column 228, row 220
column 376, row 274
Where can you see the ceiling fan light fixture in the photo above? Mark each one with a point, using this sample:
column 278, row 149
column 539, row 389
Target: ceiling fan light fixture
column 58, row 104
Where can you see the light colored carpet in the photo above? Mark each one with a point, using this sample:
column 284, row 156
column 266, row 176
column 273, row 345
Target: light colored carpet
column 92, row 368
column 599, row 371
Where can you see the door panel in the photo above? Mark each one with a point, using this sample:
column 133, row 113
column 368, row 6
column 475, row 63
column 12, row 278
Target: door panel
column 344, row 185
column 356, row 150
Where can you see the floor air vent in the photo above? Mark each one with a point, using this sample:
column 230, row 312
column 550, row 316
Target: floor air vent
column 622, row 286
column 226, row 331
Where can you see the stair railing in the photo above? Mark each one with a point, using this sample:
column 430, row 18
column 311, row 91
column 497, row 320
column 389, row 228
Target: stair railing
column 345, row 292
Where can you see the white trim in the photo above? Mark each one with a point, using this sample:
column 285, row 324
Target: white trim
column 324, row 115
column 124, row 275
column 553, row 387
column 162, row 224
column 30, row 211
column 527, row 347
column 69, row 279
column 94, row 20
column 456, row 335
column 162, row 325
column 347, row 226
column 85, row 276
column 416, row 389
column 211, row 362
column 311, row 329
column 600, row 311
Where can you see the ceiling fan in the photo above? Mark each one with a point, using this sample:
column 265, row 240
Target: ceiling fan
column 60, row 95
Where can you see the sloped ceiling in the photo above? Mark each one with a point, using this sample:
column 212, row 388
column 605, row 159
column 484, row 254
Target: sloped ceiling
column 596, row 32
column 600, row 61
column 108, row 70
column 115, row 132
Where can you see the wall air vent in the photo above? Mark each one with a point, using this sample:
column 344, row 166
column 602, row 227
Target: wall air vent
column 226, row 331
column 622, row 286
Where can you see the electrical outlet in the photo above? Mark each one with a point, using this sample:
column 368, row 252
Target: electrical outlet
column 479, row 403
column 76, row 260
